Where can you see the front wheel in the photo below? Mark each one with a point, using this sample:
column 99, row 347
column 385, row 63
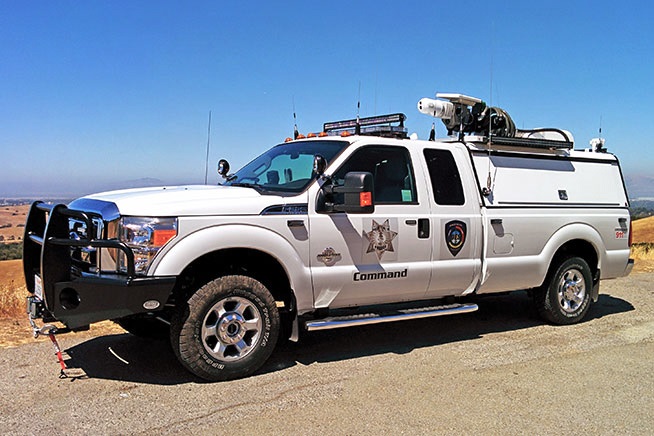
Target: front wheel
column 227, row 330
column 564, row 298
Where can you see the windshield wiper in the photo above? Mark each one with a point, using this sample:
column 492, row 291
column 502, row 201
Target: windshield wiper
column 247, row 185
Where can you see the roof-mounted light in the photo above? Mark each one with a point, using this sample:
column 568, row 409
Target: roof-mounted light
column 375, row 126
column 369, row 121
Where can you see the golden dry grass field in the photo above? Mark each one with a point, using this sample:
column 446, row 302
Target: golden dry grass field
column 643, row 249
column 12, row 219
column 644, row 230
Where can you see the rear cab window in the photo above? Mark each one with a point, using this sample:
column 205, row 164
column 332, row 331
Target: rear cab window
column 445, row 178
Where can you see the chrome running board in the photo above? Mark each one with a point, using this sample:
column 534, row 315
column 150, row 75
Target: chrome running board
column 398, row 315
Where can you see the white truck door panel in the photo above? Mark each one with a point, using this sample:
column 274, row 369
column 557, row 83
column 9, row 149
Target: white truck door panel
column 360, row 259
column 456, row 223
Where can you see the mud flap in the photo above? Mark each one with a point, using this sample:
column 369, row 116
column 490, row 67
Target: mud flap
column 594, row 295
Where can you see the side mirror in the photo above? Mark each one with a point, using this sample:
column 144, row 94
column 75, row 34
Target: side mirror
column 223, row 168
column 355, row 196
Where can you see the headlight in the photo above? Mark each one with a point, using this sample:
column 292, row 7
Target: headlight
column 145, row 236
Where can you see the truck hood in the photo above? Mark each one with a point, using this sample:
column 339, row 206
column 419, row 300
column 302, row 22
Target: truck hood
column 192, row 200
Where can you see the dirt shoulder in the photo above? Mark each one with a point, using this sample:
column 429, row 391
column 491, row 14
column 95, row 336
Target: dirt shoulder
column 496, row 371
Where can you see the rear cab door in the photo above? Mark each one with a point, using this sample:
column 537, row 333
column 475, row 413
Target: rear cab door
column 455, row 218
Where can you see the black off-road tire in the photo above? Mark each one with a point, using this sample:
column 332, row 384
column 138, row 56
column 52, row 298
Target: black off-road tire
column 227, row 329
column 144, row 327
column 564, row 298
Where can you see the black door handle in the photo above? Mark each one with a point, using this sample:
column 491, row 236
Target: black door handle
column 423, row 228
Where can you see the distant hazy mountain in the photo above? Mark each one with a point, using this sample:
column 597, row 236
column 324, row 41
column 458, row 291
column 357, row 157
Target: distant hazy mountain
column 639, row 186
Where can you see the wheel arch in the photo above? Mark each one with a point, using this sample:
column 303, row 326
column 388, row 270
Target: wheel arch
column 207, row 254
column 577, row 240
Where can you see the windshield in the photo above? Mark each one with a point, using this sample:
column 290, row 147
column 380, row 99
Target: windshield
column 285, row 168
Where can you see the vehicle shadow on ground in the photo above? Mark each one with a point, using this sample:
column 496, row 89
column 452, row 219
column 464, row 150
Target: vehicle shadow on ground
column 496, row 314
column 127, row 358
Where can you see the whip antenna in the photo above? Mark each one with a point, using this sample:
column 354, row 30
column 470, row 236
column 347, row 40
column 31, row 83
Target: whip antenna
column 489, row 180
column 296, row 133
column 206, row 165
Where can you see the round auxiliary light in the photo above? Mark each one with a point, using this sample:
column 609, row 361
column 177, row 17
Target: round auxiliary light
column 151, row 305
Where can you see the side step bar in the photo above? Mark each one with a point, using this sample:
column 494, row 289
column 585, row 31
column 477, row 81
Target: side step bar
column 398, row 315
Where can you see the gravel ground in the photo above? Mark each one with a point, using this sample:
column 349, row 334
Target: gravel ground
column 496, row 371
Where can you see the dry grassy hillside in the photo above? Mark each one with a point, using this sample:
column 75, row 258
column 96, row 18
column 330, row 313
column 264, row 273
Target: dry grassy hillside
column 644, row 230
column 643, row 249
column 12, row 289
column 12, row 219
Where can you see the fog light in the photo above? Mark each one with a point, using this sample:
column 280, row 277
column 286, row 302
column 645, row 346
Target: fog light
column 151, row 305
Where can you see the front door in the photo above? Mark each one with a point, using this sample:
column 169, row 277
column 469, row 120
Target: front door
column 363, row 259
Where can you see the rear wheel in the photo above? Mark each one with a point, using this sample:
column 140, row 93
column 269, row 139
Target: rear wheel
column 564, row 298
column 227, row 330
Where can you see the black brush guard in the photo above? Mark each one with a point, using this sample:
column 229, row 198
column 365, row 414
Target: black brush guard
column 70, row 294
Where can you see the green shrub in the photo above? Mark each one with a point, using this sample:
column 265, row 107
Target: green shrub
column 11, row 251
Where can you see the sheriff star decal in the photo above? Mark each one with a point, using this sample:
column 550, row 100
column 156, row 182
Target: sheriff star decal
column 380, row 238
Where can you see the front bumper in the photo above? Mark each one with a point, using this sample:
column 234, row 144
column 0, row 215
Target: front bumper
column 66, row 290
column 85, row 300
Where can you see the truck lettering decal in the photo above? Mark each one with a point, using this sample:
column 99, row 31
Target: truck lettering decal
column 455, row 236
column 621, row 233
column 361, row 277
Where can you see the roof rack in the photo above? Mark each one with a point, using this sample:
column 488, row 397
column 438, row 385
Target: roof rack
column 542, row 144
column 372, row 126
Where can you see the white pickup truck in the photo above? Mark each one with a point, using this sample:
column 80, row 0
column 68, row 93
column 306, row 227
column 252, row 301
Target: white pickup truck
column 358, row 224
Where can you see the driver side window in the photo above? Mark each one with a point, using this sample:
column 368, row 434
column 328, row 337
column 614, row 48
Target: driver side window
column 391, row 169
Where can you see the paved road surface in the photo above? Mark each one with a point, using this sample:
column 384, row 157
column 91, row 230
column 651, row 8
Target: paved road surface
column 496, row 371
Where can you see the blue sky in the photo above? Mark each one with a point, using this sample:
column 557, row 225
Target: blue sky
column 98, row 94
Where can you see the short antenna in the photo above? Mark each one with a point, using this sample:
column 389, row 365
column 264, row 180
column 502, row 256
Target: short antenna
column 206, row 165
column 432, row 132
column 357, row 129
column 296, row 133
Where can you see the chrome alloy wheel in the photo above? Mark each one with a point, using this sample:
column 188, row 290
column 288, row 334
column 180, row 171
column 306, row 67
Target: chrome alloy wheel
column 571, row 290
column 231, row 328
